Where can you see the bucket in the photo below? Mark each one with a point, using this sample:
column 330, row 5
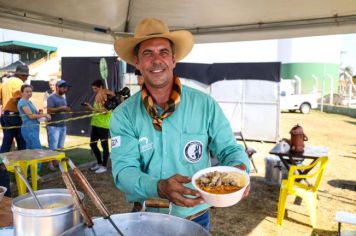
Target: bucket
column 275, row 170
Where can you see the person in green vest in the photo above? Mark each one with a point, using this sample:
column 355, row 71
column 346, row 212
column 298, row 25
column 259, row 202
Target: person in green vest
column 99, row 130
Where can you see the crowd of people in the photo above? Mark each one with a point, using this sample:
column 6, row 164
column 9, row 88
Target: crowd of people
column 152, row 133
column 20, row 118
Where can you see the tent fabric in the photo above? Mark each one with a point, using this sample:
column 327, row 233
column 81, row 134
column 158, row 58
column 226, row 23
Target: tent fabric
column 227, row 21
column 211, row 73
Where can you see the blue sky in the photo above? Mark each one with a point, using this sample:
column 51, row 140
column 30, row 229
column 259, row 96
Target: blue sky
column 251, row 51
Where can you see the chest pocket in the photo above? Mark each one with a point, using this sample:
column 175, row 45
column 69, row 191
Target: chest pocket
column 194, row 148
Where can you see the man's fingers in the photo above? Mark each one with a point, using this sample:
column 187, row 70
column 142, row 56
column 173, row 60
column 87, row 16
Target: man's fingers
column 181, row 178
column 189, row 191
column 247, row 191
column 180, row 200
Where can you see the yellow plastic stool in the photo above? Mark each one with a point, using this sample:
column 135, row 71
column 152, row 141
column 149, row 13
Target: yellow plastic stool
column 306, row 191
column 26, row 158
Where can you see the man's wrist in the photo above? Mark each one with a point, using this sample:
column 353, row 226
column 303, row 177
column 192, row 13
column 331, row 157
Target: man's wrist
column 159, row 188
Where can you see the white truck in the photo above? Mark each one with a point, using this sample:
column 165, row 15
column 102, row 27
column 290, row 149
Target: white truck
column 301, row 102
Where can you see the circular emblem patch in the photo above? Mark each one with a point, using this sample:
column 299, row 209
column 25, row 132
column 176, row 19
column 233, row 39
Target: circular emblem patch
column 193, row 151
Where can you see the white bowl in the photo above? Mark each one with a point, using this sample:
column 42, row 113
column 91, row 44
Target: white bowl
column 221, row 200
column 2, row 192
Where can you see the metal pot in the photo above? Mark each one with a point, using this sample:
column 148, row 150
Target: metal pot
column 29, row 220
column 140, row 223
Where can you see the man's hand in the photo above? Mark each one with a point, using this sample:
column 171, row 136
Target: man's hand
column 247, row 190
column 65, row 108
column 102, row 95
column 174, row 190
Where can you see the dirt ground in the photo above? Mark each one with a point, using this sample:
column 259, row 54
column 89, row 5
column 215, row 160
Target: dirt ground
column 256, row 215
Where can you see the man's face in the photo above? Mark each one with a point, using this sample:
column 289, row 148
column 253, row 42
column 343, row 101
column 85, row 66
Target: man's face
column 52, row 85
column 23, row 77
column 62, row 90
column 156, row 62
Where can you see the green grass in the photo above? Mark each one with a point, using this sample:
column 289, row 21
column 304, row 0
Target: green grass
column 77, row 155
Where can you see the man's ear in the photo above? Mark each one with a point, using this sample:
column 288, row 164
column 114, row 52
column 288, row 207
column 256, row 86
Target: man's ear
column 174, row 60
column 137, row 63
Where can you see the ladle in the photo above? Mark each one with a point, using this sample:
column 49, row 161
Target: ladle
column 21, row 174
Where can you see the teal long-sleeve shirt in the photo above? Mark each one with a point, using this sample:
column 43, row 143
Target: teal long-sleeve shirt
column 141, row 155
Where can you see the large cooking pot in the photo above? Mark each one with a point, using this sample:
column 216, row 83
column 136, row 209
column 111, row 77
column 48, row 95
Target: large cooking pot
column 60, row 215
column 140, row 223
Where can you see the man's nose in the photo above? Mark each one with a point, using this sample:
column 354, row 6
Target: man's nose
column 156, row 58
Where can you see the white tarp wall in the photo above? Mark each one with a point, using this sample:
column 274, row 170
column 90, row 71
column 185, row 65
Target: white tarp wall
column 251, row 106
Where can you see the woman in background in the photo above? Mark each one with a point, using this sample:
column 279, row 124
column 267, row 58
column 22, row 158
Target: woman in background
column 99, row 130
column 30, row 129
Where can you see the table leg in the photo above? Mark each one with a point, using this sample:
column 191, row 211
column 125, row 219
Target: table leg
column 34, row 176
column 20, row 184
column 64, row 163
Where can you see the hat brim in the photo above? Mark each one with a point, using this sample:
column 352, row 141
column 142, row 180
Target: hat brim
column 25, row 74
column 64, row 85
column 183, row 42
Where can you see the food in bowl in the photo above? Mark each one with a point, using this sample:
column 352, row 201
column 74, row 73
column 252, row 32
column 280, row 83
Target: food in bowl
column 223, row 188
column 221, row 182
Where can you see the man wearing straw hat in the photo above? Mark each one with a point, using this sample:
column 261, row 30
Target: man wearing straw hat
column 163, row 134
column 10, row 94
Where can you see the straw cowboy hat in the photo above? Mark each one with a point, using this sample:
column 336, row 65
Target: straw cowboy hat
column 149, row 28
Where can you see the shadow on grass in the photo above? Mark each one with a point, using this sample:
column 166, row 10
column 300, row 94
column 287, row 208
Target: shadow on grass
column 317, row 232
column 351, row 122
column 343, row 184
column 237, row 220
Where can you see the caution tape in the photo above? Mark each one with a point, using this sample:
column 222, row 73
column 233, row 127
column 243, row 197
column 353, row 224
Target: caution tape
column 68, row 112
column 81, row 144
column 56, row 122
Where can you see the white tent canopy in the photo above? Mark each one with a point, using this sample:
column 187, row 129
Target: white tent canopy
column 208, row 20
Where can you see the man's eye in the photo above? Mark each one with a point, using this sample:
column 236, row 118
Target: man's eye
column 146, row 53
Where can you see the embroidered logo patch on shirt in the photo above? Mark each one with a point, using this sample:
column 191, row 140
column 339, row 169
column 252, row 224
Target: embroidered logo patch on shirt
column 145, row 144
column 193, row 151
column 116, row 142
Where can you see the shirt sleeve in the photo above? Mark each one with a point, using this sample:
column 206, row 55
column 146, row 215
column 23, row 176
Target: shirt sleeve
column 223, row 144
column 125, row 157
column 50, row 102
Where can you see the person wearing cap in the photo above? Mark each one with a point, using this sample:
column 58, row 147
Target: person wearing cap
column 57, row 107
column 163, row 134
column 10, row 95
